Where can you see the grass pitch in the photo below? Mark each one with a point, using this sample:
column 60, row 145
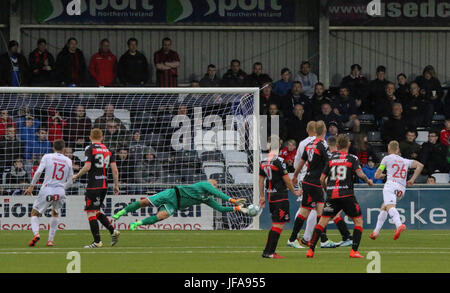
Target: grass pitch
column 219, row 252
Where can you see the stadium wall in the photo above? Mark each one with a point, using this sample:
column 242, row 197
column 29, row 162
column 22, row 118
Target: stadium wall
column 422, row 208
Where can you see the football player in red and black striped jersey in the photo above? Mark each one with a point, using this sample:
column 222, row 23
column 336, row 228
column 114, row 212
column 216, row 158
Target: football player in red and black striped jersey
column 99, row 158
column 340, row 170
column 277, row 182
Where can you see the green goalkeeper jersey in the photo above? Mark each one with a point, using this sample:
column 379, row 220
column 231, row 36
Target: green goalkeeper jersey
column 201, row 192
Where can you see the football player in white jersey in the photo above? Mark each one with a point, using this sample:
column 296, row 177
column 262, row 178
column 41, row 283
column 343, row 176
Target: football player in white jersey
column 58, row 177
column 396, row 171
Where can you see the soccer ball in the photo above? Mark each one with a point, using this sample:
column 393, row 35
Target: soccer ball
column 253, row 210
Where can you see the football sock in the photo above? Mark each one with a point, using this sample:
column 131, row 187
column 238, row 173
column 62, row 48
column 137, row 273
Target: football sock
column 342, row 227
column 148, row 221
column 94, row 228
column 104, row 220
column 317, row 232
column 395, row 217
column 357, row 233
column 311, row 222
column 323, row 236
column 298, row 224
column 132, row 207
column 52, row 232
column 35, row 224
column 272, row 240
column 382, row 216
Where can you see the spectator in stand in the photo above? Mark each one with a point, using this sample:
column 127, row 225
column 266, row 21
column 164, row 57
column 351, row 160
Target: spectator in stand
column 70, row 65
column 14, row 70
column 17, row 175
column 137, row 147
column 210, row 79
column 167, row 62
column 284, row 85
column 257, row 78
column 431, row 87
column 195, row 83
column 56, row 125
column 267, row 97
column 377, row 87
column 76, row 167
column 115, row 137
column 288, row 154
column 447, row 105
column 445, row 133
column 28, row 127
column 294, row 97
column 42, row 65
column 103, row 65
column 409, row 147
column 362, row 149
column 235, row 76
column 125, row 167
column 76, row 163
column 101, row 121
column 369, row 169
column 327, row 115
column 296, row 124
column 320, row 96
column 347, row 108
column 431, row 180
column 433, row 155
column 419, row 110
column 402, row 87
column 357, row 85
column 396, row 126
column 307, row 78
column 36, row 160
column 132, row 69
column 147, row 171
column 5, row 122
column 282, row 131
column 76, row 134
column 383, row 104
column 39, row 145
column 10, row 148
column 333, row 129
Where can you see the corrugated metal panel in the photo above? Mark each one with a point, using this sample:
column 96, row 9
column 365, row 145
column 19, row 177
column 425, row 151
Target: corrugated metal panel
column 407, row 52
column 4, row 39
column 197, row 49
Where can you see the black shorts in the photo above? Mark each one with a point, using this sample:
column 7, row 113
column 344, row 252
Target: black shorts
column 94, row 199
column 280, row 211
column 312, row 195
column 348, row 204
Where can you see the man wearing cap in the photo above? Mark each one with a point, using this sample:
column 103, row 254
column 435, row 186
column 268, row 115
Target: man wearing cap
column 13, row 67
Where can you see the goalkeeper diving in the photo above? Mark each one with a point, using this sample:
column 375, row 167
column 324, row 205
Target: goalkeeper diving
column 181, row 197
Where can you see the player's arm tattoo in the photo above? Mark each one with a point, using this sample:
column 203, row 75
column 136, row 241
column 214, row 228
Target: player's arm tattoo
column 363, row 176
column 288, row 183
column 84, row 170
column 115, row 173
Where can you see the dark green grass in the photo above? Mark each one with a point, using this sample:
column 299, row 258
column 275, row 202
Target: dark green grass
column 219, row 251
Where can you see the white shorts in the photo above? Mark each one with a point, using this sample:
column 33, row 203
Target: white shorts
column 50, row 196
column 392, row 192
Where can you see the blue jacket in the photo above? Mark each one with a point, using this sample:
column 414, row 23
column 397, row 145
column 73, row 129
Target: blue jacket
column 370, row 172
column 281, row 87
column 37, row 147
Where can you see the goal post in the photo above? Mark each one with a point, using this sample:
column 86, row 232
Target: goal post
column 191, row 134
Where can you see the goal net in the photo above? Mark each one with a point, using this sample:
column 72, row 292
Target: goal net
column 161, row 137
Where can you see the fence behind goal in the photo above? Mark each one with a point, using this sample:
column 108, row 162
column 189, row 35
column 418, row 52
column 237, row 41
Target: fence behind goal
column 161, row 137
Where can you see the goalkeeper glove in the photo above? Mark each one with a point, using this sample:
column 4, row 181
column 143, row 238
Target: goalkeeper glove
column 241, row 209
column 239, row 201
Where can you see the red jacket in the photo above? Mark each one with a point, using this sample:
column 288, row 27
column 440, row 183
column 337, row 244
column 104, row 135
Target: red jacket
column 4, row 125
column 445, row 135
column 289, row 157
column 103, row 68
column 55, row 129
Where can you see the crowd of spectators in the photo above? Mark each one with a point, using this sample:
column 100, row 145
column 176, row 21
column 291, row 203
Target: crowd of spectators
column 397, row 109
